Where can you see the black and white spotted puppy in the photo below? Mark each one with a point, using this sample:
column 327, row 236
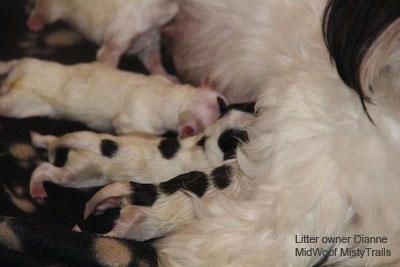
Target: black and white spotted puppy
column 152, row 210
column 86, row 159
column 105, row 98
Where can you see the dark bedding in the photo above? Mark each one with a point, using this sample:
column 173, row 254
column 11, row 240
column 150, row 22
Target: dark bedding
column 64, row 206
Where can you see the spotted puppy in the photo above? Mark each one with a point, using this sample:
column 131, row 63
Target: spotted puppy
column 105, row 98
column 152, row 210
column 127, row 26
column 86, row 159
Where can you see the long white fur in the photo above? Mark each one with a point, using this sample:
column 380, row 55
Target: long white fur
column 314, row 165
column 105, row 98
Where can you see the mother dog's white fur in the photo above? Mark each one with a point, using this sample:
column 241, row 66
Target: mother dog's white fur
column 315, row 165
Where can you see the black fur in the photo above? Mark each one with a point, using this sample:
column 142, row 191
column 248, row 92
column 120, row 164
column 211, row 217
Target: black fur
column 195, row 182
column 248, row 107
column 350, row 28
column 170, row 135
column 229, row 140
column 202, row 142
column 108, row 148
column 168, row 148
column 221, row 176
column 222, row 105
column 101, row 223
column 61, row 156
column 143, row 194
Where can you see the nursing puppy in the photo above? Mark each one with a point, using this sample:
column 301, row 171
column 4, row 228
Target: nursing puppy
column 105, row 98
column 124, row 26
column 152, row 210
column 86, row 159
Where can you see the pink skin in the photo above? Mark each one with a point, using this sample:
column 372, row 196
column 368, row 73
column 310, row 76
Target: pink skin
column 187, row 131
column 35, row 22
column 44, row 172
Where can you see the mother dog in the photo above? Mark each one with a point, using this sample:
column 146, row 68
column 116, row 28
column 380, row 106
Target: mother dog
column 322, row 160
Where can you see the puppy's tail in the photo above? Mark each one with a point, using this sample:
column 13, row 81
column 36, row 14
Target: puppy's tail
column 56, row 246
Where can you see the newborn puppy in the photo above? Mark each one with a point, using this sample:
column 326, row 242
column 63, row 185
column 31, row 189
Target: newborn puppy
column 105, row 98
column 118, row 26
column 86, row 159
column 152, row 210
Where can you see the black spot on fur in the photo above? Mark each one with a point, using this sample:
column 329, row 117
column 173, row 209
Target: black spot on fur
column 108, row 148
column 61, row 156
column 143, row 194
column 170, row 135
column 168, row 148
column 221, row 176
column 195, row 182
column 202, row 141
column 229, row 140
column 248, row 107
column 222, row 105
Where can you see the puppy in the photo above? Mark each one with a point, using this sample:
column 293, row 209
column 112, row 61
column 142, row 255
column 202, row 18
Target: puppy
column 151, row 210
column 105, row 98
column 86, row 159
column 118, row 26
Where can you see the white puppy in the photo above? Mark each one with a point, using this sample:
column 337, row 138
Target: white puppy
column 86, row 159
column 103, row 98
column 118, row 26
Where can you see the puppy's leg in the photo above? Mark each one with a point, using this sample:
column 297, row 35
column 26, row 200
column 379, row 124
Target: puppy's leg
column 41, row 141
column 109, row 53
column 22, row 104
column 44, row 172
column 151, row 59
column 17, row 99
column 113, row 48
column 77, row 169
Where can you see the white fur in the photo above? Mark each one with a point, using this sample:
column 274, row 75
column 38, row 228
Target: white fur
column 314, row 165
column 117, row 25
column 105, row 98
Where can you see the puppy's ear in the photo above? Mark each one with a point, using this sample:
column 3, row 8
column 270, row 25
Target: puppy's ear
column 189, row 125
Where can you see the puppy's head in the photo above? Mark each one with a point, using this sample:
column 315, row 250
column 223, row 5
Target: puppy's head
column 362, row 37
column 205, row 107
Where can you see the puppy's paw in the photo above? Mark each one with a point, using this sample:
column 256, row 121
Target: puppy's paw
column 44, row 172
column 41, row 141
column 37, row 190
